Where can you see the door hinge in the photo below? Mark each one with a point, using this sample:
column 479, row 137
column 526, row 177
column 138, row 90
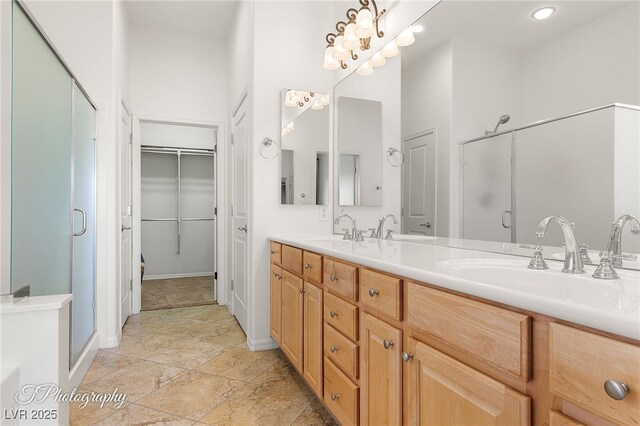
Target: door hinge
column 93, row 304
column 215, row 275
column 402, row 211
column 215, row 148
column 215, row 211
column 232, row 139
column 130, row 285
column 95, row 137
column 130, row 138
column 232, row 210
column 231, row 284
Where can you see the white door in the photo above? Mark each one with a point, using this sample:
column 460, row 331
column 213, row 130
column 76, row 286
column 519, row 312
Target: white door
column 419, row 186
column 239, row 231
column 125, row 215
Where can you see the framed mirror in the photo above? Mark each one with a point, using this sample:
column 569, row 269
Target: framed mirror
column 497, row 119
column 304, row 160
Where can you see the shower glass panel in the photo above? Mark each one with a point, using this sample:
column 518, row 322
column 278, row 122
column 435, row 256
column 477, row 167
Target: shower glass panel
column 486, row 189
column 82, row 312
column 40, row 164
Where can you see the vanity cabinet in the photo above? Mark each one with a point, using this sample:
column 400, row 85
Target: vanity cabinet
column 380, row 349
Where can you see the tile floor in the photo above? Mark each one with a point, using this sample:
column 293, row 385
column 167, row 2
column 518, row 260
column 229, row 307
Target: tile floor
column 177, row 292
column 189, row 366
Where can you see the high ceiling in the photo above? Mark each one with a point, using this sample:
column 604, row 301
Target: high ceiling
column 210, row 18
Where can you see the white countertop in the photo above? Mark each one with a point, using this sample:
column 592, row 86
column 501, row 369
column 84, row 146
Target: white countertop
column 35, row 303
column 610, row 306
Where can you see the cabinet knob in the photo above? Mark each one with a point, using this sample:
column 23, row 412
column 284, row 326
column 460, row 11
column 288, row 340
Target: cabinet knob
column 406, row 357
column 373, row 292
column 273, row 251
column 615, row 389
column 302, row 290
column 334, row 348
column 333, row 277
column 334, row 314
column 387, row 343
column 307, row 266
column 277, row 276
column 334, row 396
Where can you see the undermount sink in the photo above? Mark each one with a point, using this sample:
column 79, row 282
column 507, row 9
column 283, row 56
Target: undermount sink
column 514, row 274
column 412, row 237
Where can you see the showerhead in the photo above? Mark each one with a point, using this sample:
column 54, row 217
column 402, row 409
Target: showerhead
column 503, row 119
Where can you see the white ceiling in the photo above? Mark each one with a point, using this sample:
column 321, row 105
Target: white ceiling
column 210, row 18
column 505, row 24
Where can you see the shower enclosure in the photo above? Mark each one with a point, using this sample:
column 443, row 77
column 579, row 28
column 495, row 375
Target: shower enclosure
column 53, row 137
column 512, row 179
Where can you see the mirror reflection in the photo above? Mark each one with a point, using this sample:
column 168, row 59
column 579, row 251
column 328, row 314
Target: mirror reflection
column 304, row 160
column 504, row 119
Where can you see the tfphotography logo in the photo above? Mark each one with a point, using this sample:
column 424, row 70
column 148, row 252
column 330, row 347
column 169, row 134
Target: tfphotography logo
column 37, row 394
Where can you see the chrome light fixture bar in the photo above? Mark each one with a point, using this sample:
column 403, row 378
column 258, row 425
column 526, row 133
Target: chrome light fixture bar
column 356, row 33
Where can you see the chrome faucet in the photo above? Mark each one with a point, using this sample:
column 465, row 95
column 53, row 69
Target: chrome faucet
column 614, row 246
column 572, row 260
column 355, row 234
column 380, row 229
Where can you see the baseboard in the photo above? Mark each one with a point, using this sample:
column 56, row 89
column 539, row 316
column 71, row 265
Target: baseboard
column 83, row 362
column 261, row 345
column 183, row 275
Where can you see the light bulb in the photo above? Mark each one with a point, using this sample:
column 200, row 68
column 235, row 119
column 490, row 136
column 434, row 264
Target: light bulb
column 365, row 69
column 377, row 60
column 316, row 106
column 417, row 28
column 324, row 100
column 289, row 102
column 405, row 38
column 339, row 52
column 290, row 126
column 351, row 40
column 390, row 50
column 301, row 94
column 364, row 23
column 330, row 63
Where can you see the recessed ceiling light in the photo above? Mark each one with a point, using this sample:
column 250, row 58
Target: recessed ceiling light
column 543, row 13
column 417, row 28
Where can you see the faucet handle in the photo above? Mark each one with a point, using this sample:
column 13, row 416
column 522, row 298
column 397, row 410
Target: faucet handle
column 605, row 270
column 631, row 257
column 584, row 252
column 373, row 232
column 346, row 236
column 389, row 236
column 359, row 238
column 537, row 261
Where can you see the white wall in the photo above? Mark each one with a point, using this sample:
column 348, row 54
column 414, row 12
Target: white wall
column 581, row 69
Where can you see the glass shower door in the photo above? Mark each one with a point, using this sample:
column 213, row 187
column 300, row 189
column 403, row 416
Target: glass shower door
column 82, row 308
column 40, row 164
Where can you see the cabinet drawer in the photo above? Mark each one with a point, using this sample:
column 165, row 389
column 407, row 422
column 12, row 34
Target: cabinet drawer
column 343, row 316
column 276, row 252
column 581, row 362
column 494, row 335
column 341, row 278
column 381, row 292
column 340, row 394
column 341, row 351
column 312, row 264
column 292, row 259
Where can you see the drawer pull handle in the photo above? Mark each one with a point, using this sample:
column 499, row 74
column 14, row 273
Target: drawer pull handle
column 406, row 356
column 307, row 266
column 333, row 277
column 373, row 292
column 274, row 251
column 334, row 349
column 334, row 396
column 334, row 314
column 616, row 390
column 387, row 343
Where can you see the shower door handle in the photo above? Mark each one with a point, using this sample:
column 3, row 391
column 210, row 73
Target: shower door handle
column 84, row 222
column 504, row 213
column 244, row 228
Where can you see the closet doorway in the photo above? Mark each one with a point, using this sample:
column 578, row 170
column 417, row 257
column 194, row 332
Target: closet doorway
column 178, row 215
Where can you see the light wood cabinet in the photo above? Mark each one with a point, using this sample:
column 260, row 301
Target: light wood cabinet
column 381, row 292
column 312, row 265
column 292, row 318
column 275, row 252
column 341, row 395
column 381, row 372
column 442, row 391
column 292, row 259
column 341, row 279
column 313, row 326
column 275, row 302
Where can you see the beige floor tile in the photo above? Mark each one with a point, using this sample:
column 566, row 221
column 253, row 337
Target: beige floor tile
column 142, row 344
column 106, row 363
column 192, row 395
column 274, row 403
column 228, row 332
column 280, row 370
column 135, row 415
column 239, row 363
column 136, row 380
column 91, row 413
column 315, row 415
column 189, row 353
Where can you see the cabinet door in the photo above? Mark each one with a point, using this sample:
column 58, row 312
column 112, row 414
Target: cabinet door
column 312, row 351
column 291, row 336
column 275, row 302
column 442, row 391
column 381, row 372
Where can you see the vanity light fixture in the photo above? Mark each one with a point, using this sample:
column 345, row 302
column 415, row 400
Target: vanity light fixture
column 297, row 98
column 356, row 33
column 287, row 129
column 543, row 13
column 405, row 38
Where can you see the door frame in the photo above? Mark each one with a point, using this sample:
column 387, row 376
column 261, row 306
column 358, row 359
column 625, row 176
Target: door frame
column 432, row 130
column 124, row 109
column 220, row 258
